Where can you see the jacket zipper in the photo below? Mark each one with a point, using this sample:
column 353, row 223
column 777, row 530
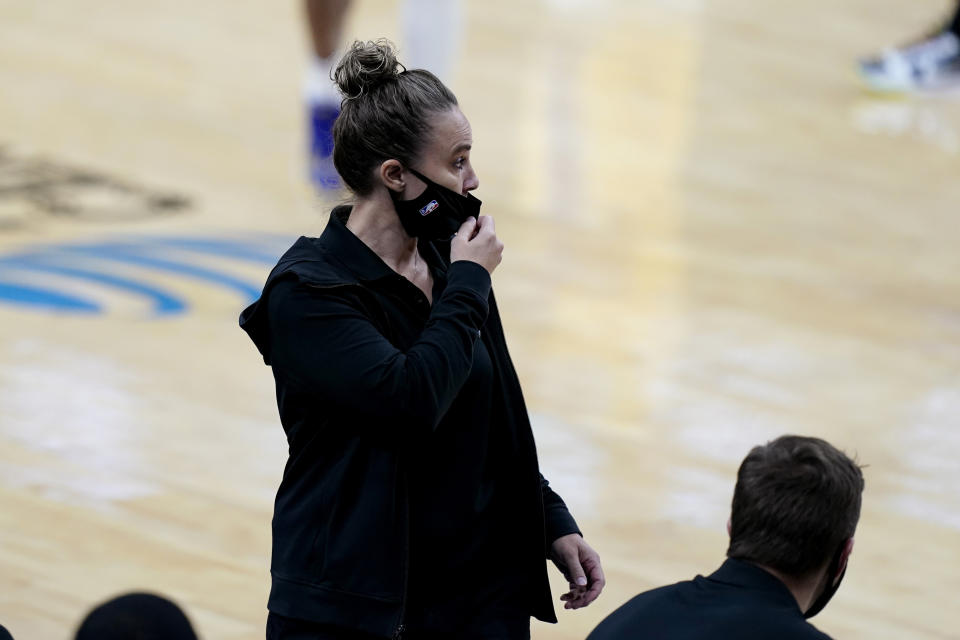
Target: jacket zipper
column 401, row 627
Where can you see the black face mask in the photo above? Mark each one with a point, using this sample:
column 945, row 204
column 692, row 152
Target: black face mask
column 437, row 213
column 831, row 587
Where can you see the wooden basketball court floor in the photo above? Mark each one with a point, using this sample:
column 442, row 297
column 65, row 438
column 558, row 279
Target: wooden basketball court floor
column 714, row 237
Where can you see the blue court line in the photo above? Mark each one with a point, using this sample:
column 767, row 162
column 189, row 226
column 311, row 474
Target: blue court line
column 124, row 254
column 39, row 297
column 163, row 302
column 224, row 248
column 284, row 239
column 259, row 241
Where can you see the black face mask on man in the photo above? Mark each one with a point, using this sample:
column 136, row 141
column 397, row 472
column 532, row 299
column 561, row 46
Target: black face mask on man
column 831, row 587
column 437, row 213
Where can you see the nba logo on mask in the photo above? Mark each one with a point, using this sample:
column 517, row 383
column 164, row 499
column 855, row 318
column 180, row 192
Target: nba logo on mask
column 432, row 206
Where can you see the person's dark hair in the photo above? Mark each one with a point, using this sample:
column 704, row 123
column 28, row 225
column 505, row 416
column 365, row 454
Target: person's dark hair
column 385, row 112
column 797, row 499
column 136, row 616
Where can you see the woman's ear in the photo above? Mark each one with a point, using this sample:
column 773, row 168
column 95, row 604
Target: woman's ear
column 391, row 175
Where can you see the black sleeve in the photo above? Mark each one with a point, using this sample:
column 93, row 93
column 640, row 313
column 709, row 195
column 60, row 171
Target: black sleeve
column 323, row 341
column 558, row 520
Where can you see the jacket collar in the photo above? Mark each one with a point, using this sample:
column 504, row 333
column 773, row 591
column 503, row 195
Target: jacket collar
column 338, row 242
column 743, row 574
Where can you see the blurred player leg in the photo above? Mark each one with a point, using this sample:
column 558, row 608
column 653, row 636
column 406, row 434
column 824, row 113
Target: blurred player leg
column 432, row 30
column 325, row 19
column 931, row 63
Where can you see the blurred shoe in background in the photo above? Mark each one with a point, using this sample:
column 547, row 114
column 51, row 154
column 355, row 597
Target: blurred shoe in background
column 322, row 172
column 928, row 65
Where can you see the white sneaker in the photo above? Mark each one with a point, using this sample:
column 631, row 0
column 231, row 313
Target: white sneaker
column 931, row 64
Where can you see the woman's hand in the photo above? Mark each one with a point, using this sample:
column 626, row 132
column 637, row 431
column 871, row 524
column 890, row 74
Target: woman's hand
column 477, row 241
column 580, row 565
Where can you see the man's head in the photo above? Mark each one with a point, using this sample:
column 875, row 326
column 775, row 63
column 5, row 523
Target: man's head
column 136, row 616
column 796, row 507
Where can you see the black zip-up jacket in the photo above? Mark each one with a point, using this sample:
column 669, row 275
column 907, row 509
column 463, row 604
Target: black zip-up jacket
column 362, row 396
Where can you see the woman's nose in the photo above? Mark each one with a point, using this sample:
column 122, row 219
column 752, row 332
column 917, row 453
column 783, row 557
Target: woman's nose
column 471, row 182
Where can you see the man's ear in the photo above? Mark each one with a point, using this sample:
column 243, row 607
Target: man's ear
column 844, row 556
column 391, row 175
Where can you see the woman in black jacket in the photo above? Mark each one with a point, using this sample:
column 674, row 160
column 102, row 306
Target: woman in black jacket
column 411, row 504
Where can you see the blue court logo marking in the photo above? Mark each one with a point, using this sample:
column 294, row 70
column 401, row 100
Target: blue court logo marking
column 40, row 278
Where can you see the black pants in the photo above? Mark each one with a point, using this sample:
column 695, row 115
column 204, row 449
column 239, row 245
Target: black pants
column 281, row 628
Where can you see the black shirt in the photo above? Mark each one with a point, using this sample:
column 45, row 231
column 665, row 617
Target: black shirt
column 739, row 601
column 412, row 494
